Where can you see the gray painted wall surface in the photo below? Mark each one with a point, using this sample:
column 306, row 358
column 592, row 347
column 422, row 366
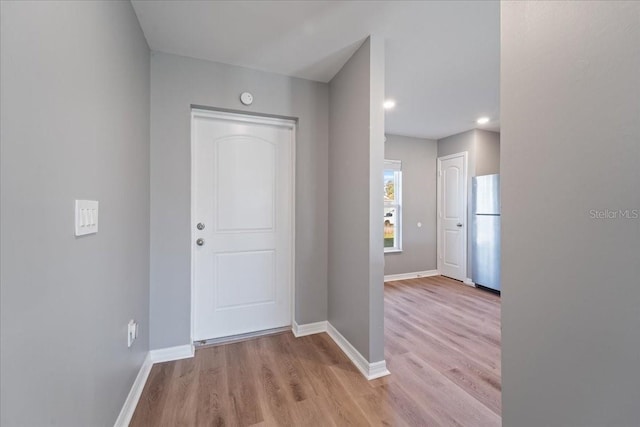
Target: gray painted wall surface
column 419, row 184
column 355, row 167
column 75, row 124
column 570, row 144
column 177, row 83
column 376, row 201
column 487, row 152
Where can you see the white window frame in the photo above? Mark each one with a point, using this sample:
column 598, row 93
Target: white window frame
column 396, row 167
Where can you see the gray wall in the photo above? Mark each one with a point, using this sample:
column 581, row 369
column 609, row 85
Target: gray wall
column 487, row 152
column 376, row 198
column 570, row 144
column 418, row 158
column 356, row 155
column 75, row 124
column 177, row 83
column 483, row 149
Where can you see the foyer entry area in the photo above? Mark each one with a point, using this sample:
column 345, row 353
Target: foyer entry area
column 442, row 346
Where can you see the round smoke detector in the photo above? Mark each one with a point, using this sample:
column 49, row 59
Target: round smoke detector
column 246, row 98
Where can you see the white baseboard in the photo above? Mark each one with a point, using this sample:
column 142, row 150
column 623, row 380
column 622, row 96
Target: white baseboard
column 131, row 401
column 378, row 369
column 469, row 282
column 153, row 357
column 308, row 328
column 414, row 275
column 371, row 371
column 172, row 353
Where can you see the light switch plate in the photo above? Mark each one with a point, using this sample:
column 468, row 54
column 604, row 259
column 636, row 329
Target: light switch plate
column 86, row 217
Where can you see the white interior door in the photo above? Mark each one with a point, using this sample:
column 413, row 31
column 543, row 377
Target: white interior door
column 452, row 216
column 242, row 223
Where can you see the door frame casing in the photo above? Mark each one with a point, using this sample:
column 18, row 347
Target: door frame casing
column 246, row 117
column 465, row 160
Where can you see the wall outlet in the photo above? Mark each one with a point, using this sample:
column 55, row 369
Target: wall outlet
column 132, row 332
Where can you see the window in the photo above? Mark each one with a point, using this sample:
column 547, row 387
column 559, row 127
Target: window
column 392, row 206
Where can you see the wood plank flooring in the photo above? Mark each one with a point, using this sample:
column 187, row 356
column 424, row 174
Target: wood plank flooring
column 442, row 348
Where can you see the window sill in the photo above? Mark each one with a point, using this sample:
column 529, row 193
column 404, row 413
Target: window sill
column 392, row 251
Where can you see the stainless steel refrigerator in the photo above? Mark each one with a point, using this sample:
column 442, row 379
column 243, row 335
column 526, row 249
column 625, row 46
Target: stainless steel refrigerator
column 485, row 235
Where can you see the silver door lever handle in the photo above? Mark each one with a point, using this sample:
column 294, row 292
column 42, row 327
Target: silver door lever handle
column 459, row 224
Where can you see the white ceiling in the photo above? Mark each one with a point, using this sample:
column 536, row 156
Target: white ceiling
column 442, row 58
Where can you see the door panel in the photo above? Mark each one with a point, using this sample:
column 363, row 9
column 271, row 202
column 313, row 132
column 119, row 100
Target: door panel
column 451, row 251
column 244, row 184
column 452, row 216
column 243, row 194
column 451, row 180
column 239, row 286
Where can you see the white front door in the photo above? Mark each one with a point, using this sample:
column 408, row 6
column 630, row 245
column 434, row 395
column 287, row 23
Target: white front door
column 452, row 216
column 242, row 223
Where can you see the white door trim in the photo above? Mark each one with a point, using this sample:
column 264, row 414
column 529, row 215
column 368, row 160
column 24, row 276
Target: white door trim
column 246, row 118
column 465, row 156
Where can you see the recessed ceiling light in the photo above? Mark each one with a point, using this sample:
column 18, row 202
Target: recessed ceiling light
column 389, row 104
column 482, row 120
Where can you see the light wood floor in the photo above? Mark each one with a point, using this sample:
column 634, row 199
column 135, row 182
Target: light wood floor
column 442, row 348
